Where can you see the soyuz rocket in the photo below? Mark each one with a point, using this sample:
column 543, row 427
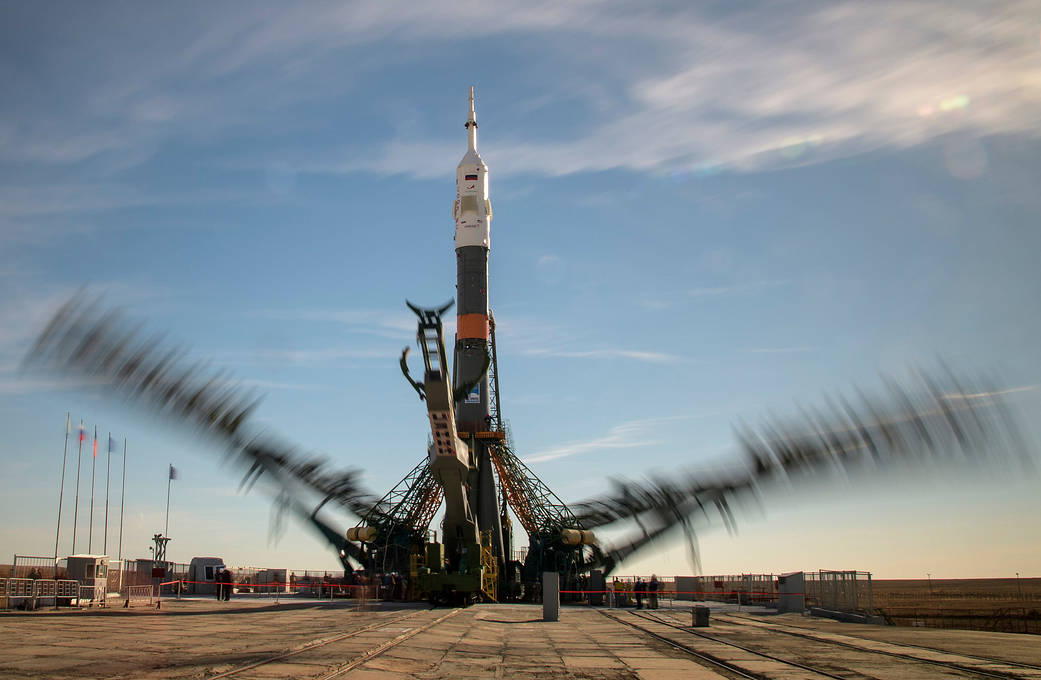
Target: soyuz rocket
column 472, row 211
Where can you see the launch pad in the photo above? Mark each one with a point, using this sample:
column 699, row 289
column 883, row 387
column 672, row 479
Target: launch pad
column 243, row 640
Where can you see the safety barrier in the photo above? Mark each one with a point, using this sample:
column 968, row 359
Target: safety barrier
column 138, row 595
column 364, row 596
column 628, row 597
column 93, row 595
column 28, row 591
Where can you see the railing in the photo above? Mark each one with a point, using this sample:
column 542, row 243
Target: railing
column 138, row 594
column 32, row 589
column 94, row 594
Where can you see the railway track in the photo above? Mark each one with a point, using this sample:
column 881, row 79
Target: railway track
column 357, row 659
column 878, row 647
column 719, row 652
column 713, row 658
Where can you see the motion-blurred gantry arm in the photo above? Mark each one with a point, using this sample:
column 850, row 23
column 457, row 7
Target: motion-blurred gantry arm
column 81, row 340
column 934, row 419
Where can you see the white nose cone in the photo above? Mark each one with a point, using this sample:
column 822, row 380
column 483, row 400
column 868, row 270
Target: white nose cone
column 472, row 209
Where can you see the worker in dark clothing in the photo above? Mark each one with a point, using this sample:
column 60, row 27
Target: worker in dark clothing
column 639, row 587
column 218, row 585
column 652, row 592
column 228, row 582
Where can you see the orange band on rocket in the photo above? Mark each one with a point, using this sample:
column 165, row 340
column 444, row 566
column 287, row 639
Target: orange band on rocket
column 472, row 326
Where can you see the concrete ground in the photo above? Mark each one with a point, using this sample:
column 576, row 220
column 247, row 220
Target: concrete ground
column 319, row 639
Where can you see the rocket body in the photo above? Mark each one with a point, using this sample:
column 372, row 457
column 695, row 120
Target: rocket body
column 472, row 211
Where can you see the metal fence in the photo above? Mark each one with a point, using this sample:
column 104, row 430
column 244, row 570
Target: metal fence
column 35, row 566
column 734, row 588
column 138, row 595
column 844, row 591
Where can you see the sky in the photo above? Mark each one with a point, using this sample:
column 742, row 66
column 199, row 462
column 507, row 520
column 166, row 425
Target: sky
column 704, row 214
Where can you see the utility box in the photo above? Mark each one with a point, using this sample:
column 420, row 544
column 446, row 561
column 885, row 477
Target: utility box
column 89, row 570
column 791, row 589
column 550, row 596
column 699, row 617
column 686, row 586
column 597, row 584
column 435, row 556
column 202, row 572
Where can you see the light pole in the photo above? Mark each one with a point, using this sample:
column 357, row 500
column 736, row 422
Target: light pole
column 930, row 577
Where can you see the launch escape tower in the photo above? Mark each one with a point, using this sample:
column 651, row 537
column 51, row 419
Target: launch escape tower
column 470, row 464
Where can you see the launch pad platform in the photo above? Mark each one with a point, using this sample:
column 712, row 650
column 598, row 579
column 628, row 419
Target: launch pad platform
column 316, row 639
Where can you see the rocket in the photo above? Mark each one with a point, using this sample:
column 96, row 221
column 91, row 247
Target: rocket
column 472, row 211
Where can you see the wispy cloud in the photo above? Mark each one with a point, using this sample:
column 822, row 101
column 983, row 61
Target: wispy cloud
column 636, row 355
column 782, row 350
column 304, row 356
column 991, row 394
column 397, row 325
column 624, row 436
column 779, row 87
column 732, row 289
column 20, row 386
column 273, row 385
column 664, row 300
column 784, row 84
column 627, row 435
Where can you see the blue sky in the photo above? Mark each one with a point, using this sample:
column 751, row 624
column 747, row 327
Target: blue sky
column 702, row 215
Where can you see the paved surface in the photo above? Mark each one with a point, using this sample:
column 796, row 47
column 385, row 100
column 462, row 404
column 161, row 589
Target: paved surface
column 251, row 640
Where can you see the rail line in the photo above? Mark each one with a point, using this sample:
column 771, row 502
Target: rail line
column 379, row 649
column 712, row 659
column 375, row 651
column 782, row 628
column 974, row 671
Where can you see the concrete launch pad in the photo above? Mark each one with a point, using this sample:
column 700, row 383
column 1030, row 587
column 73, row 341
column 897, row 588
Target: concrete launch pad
column 315, row 639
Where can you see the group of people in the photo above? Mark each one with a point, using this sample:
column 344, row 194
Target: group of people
column 389, row 586
column 639, row 590
column 223, row 582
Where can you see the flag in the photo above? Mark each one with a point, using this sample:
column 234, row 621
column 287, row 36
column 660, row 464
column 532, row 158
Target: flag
column 83, row 433
column 173, row 472
column 95, row 441
column 111, row 444
column 68, row 421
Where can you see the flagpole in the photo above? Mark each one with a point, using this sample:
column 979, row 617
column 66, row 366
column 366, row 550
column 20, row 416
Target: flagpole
column 108, row 477
column 93, row 470
column 122, row 499
column 61, row 490
column 76, row 507
column 169, row 479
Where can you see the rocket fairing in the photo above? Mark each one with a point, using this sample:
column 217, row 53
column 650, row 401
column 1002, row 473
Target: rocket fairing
column 472, row 211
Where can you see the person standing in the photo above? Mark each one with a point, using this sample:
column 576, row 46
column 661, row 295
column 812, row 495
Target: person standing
column 228, row 582
column 652, row 590
column 639, row 587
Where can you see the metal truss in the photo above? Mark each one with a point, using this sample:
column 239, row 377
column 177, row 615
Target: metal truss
column 539, row 509
column 412, row 502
